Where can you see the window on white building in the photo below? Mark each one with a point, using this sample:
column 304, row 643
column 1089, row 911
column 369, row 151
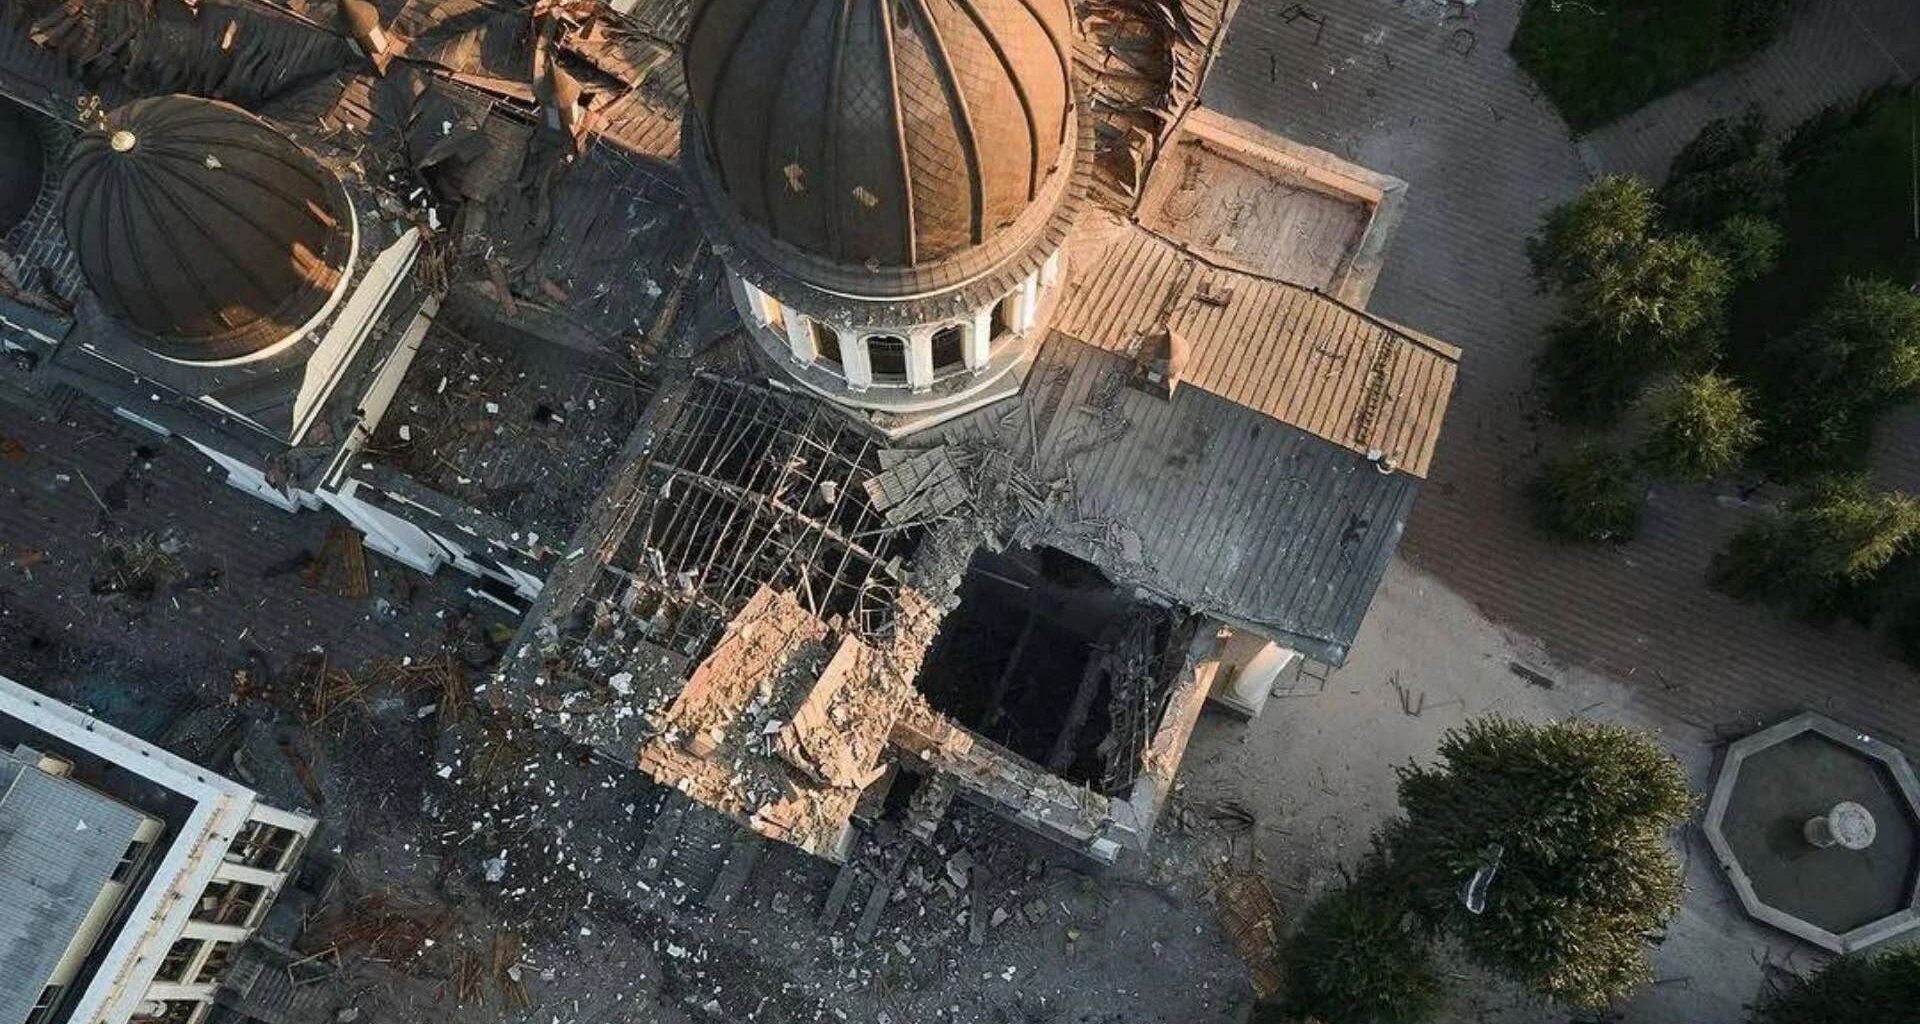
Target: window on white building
column 826, row 343
column 887, row 354
column 218, row 959
column 173, row 969
column 43, row 1007
column 261, row 845
column 949, row 348
column 1003, row 318
column 129, row 861
column 230, row 903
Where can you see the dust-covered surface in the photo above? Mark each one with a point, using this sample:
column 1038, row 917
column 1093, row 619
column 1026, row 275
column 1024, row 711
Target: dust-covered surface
column 492, row 871
column 511, row 424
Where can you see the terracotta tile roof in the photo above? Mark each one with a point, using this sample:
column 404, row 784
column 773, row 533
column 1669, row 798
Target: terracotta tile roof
column 1298, row 356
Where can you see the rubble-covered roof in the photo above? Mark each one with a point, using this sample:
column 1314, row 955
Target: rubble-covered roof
column 1251, row 200
column 511, row 424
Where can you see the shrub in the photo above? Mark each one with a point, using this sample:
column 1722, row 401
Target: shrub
column 1883, row 989
column 1600, row 59
column 1732, row 168
column 1588, row 494
column 1698, row 428
column 1829, row 379
column 1602, row 227
column 1752, row 24
column 1901, row 607
column 1664, row 307
column 1586, row 381
column 1579, row 814
column 1357, row 960
column 1814, row 560
column 1749, row 245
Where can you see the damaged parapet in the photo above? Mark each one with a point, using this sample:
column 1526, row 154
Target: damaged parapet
column 781, row 734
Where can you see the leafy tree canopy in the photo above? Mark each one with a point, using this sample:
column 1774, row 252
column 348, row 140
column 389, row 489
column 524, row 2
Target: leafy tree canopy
column 1731, row 168
column 1699, row 427
column 1356, row 960
column 1749, row 244
column 1828, row 379
column 1579, row 813
column 1883, row 989
column 1589, row 493
column 1835, row 537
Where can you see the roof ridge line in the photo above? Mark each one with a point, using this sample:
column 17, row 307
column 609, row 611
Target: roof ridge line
column 1449, row 352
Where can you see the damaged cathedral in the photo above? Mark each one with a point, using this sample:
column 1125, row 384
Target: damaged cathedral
column 864, row 404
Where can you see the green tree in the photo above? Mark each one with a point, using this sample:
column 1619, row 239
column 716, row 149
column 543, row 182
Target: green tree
column 1829, row 380
column 1883, row 989
column 1699, row 427
column 1749, row 245
column 1574, row 818
column 1631, row 301
column 1602, row 227
column 1814, row 560
column 1357, row 960
column 1590, row 493
column 1752, row 24
column 1665, row 306
column 1731, row 168
column 1899, row 601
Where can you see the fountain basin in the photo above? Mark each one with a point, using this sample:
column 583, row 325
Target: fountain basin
column 1771, row 785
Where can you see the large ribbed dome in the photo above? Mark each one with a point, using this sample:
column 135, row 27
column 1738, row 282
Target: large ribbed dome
column 204, row 229
column 889, row 133
column 22, row 164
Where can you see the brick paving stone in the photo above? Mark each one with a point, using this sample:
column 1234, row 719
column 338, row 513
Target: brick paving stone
column 1406, row 89
column 77, row 486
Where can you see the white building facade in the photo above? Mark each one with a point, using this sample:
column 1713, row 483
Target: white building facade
column 156, row 946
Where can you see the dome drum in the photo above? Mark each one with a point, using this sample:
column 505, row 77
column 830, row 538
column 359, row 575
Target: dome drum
column 891, row 184
column 913, row 369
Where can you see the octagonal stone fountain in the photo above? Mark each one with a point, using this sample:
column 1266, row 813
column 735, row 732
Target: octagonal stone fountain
column 1818, row 828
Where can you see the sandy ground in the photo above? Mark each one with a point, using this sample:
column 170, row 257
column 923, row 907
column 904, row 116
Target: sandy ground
column 1318, row 771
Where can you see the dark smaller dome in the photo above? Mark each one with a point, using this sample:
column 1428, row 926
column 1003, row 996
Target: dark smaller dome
column 203, row 228
column 22, row 165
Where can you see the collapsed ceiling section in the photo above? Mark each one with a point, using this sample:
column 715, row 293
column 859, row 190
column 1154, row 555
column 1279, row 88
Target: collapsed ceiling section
column 1144, row 60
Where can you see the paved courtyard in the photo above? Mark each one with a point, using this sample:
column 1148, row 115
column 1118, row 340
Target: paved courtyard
column 1404, row 88
column 1631, row 634
column 1628, row 635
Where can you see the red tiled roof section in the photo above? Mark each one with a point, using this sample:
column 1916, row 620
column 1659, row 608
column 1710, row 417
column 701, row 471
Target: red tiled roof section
column 1296, row 355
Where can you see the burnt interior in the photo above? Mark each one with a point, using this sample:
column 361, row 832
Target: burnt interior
column 1047, row 657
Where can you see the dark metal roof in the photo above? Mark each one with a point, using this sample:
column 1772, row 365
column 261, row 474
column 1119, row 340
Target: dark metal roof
column 21, row 165
column 200, row 226
column 886, row 133
column 1207, row 502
